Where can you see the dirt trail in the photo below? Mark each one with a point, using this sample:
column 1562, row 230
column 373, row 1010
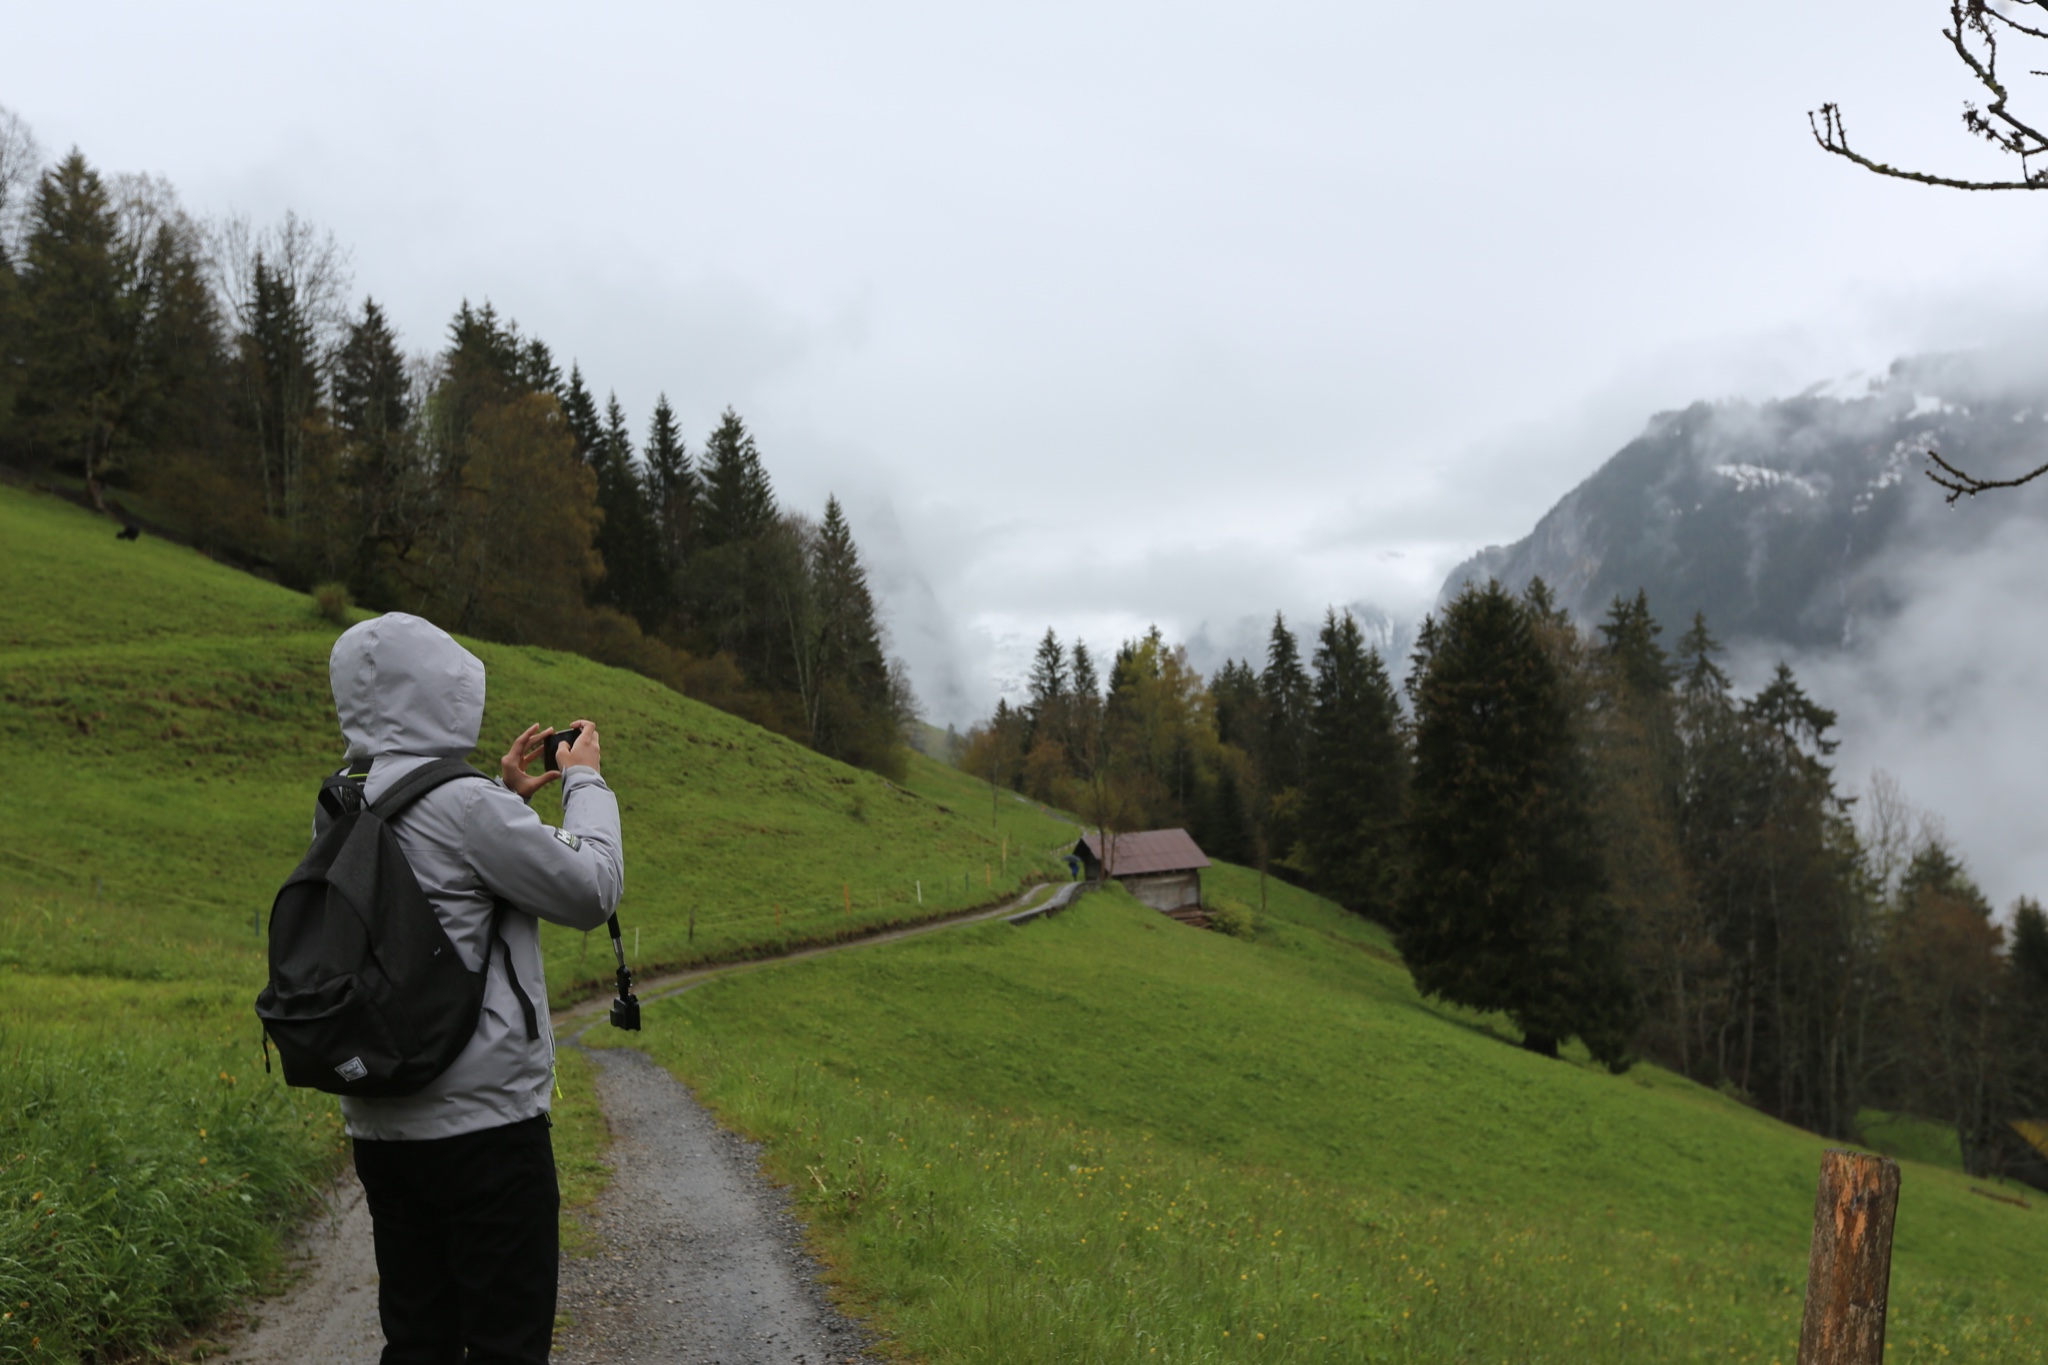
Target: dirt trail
column 702, row 1261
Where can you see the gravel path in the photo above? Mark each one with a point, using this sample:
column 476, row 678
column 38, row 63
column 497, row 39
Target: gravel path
column 702, row 1262
column 330, row 1312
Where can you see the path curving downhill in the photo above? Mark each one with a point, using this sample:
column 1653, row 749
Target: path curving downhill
column 702, row 1262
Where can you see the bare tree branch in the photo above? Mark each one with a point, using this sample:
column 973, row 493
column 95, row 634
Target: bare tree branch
column 1973, row 34
column 1960, row 484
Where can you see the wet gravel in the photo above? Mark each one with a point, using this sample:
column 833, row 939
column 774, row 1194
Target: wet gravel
column 700, row 1260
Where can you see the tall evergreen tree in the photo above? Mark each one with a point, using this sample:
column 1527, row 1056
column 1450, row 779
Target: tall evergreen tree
column 1240, row 710
column 1504, row 905
column 746, row 568
column 78, row 310
column 634, row 579
column 1631, row 738
column 1085, row 721
column 739, row 502
column 854, row 718
column 672, row 487
column 579, row 410
column 1285, row 692
column 372, row 399
column 1357, row 772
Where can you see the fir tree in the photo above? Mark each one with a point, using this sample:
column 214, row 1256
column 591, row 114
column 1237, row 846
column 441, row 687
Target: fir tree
column 1631, row 738
column 1085, row 722
column 739, row 502
column 1356, row 772
column 1285, row 694
column 1505, row 905
column 855, row 717
column 1087, row 686
column 372, row 409
column 634, row 580
column 579, row 410
column 372, row 398
column 77, row 320
column 1240, row 710
column 671, row 486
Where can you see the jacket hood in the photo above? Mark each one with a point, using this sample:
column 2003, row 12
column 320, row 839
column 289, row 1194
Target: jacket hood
column 403, row 686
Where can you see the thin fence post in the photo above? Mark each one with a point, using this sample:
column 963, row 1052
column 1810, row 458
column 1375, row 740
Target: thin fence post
column 1849, row 1275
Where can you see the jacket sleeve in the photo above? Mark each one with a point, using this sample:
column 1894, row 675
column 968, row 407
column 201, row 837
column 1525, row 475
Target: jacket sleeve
column 573, row 875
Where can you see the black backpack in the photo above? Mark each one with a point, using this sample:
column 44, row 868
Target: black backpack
column 367, row 993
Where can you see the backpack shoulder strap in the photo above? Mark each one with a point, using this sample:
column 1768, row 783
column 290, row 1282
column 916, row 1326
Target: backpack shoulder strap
column 418, row 783
column 511, row 975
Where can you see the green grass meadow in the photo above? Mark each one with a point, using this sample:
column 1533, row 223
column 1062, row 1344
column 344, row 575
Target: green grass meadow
column 1098, row 1137
column 1108, row 1137
column 169, row 721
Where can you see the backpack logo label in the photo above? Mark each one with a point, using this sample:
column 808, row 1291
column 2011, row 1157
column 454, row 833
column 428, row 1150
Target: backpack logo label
column 571, row 840
column 352, row 1069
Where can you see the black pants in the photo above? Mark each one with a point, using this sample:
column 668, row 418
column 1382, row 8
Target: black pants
column 466, row 1245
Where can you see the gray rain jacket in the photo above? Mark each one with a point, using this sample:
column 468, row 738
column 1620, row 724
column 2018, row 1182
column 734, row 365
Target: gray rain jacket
column 407, row 693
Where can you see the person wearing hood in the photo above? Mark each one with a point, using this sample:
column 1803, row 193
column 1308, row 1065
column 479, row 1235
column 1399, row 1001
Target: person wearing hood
column 460, row 1176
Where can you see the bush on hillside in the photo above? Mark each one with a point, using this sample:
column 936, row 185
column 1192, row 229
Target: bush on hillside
column 331, row 601
column 1232, row 917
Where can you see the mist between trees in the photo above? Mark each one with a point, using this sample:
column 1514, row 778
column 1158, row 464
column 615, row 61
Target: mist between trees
column 1589, row 833
column 216, row 382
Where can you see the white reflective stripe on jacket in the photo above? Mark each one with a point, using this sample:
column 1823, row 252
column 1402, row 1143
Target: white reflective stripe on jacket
column 407, row 693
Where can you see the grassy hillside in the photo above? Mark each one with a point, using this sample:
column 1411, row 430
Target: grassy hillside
column 169, row 721
column 1108, row 1137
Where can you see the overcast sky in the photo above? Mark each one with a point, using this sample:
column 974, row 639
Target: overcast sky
column 1102, row 314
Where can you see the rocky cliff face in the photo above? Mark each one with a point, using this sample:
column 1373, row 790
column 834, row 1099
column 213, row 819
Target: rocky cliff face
column 1797, row 523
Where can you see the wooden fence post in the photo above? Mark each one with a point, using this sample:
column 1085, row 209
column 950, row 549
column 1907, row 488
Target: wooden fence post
column 1849, row 1275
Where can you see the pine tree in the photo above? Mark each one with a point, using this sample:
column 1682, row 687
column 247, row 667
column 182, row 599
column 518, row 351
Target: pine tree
column 1284, row 690
column 77, row 321
column 739, row 502
column 372, row 400
column 579, row 410
column 1504, row 905
column 1356, row 772
column 2026, row 1021
column 1631, row 737
column 672, row 487
column 1087, row 687
column 1048, row 683
column 1085, row 722
column 371, row 393
column 634, row 579
column 855, row 716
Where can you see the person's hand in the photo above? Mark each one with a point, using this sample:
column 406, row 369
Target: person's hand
column 583, row 751
column 513, row 765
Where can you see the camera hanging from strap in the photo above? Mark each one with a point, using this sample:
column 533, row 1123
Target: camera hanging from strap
column 625, row 1009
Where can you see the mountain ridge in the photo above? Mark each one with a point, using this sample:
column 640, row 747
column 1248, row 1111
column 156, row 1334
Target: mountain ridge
column 1794, row 522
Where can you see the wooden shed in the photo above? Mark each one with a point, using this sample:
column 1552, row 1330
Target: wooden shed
column 1161, row 867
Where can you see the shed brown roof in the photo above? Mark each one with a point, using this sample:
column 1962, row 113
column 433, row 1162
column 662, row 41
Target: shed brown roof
column 1153, row 850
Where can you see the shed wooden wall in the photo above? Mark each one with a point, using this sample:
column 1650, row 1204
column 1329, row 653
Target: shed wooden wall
column 1166, row 891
